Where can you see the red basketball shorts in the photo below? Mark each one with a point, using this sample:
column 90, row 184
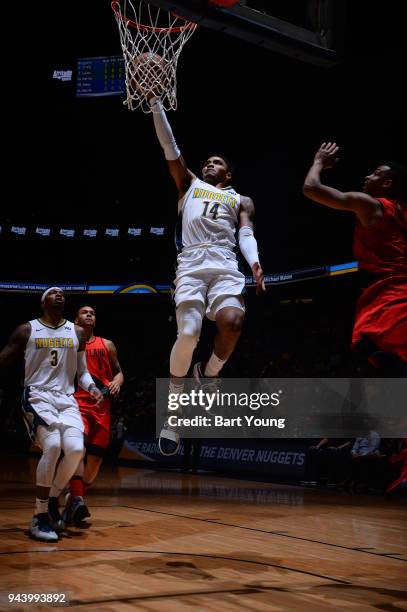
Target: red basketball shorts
column 97, row 426
column 381, row 316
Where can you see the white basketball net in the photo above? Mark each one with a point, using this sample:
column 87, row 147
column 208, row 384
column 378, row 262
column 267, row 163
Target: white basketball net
column 152, row 40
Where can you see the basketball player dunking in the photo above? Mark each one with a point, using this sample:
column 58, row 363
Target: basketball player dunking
column 54, row 351
column 207, row 280
column 380, row 246
column 104, row 367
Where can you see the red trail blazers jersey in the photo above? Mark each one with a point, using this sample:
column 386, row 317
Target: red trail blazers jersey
column 97, row 360
column 381, row 311
column 381, row 248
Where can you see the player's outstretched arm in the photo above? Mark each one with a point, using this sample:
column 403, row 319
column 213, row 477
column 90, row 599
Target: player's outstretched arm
column 176, row 163
column 248, row 243
column 118, row 378
column 15, row 345
column 363, row 205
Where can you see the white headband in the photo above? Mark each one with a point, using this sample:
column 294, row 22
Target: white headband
column 44, row 295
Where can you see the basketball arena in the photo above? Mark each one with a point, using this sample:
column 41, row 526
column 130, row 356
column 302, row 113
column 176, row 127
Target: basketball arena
column 204, row 404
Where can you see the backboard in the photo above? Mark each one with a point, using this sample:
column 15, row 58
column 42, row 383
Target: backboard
column 308, row 30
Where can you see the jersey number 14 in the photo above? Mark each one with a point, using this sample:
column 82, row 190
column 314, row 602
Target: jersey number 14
column 213, row 211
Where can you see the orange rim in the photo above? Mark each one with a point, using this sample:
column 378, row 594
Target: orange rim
column 139, row 26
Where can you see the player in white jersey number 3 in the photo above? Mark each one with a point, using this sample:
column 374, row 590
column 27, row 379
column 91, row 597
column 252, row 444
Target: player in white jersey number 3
column 208, row 280
column 54, row 352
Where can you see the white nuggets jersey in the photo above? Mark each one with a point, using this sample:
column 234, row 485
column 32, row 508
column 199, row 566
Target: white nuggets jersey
column 208, row 216
column 51, row 357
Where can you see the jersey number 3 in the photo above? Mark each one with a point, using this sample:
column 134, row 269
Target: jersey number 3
column 213, row 211
column 54, row 358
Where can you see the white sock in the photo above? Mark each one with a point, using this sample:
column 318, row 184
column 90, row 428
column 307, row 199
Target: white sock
column 41, row 506
column 214, row 365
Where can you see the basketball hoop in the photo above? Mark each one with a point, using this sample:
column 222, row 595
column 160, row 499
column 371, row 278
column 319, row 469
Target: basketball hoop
column 152, row 40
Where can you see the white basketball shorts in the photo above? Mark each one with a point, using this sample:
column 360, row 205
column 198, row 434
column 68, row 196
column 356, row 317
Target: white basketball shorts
column 209, row 275
column 43, row 407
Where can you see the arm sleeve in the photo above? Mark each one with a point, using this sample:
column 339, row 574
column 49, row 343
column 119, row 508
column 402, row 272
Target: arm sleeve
column 164, row 131
column 248, row 245
column 84, row 378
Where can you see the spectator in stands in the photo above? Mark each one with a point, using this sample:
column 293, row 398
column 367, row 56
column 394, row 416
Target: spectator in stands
column 364, row 452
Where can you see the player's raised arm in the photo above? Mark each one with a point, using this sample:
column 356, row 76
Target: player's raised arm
column 176, row 163
column 363, row 205
column 15, row 345
column 248, row 243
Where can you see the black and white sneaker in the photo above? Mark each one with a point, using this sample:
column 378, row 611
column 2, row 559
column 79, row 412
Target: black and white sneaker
column 40, row 528
column 75, row 510
column 169, row 440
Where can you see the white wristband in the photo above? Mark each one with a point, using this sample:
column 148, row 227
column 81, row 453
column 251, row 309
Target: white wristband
column 85, row 380
column 248, row 245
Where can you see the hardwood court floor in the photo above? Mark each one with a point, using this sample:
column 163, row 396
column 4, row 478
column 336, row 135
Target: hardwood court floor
column 174, row 542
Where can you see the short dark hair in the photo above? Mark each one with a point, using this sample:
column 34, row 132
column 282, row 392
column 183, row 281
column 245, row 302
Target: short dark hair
column 84, row 306
column 230, row 165
column 398, row 175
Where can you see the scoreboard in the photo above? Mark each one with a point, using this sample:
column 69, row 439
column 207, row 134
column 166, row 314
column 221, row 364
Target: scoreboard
column 100, row 76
